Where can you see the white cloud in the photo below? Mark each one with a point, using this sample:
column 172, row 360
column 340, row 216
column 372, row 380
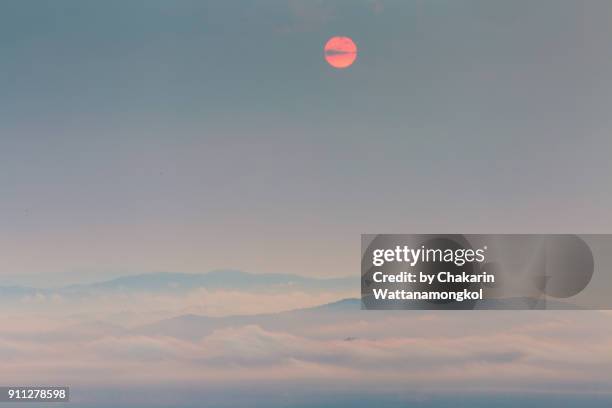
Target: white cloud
column 519, row 353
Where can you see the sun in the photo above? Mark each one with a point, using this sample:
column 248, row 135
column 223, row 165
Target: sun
column 340, row 52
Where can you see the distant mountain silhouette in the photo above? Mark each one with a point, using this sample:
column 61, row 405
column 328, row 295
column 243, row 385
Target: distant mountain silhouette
column 193, row 327
column 177, row 282
column 17, row 291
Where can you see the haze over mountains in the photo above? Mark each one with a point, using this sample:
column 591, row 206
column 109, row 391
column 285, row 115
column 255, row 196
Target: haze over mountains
column 172, row 281
column 139, row 299
column 225, row 331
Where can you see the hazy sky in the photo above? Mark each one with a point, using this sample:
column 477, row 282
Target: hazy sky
column 185, row 136
column 194, row 135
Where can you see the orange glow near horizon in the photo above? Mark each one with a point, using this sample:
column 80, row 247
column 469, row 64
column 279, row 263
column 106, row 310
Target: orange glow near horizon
column 340, row 52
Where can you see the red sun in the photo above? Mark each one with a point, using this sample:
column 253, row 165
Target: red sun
column 340, row 52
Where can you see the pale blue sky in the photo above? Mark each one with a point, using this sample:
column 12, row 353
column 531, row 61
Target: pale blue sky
column 195, row 135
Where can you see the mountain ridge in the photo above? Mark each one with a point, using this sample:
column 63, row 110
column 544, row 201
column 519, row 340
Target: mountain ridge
column 215, row 279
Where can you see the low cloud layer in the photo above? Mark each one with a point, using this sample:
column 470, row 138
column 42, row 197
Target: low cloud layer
column 536, row 352
column 237, row 341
